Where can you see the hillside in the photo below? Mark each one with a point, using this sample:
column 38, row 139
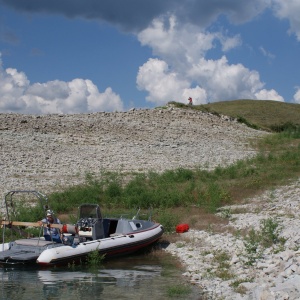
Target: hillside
column 45, row 152
column 263, row 113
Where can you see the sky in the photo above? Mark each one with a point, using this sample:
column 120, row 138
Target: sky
column 74, row 56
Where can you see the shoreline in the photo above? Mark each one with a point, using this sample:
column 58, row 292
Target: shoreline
column 219, row 263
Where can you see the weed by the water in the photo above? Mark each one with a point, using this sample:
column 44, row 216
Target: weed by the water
column 95, row 258
column 178, row 290
column 168, row 219
column 72, row 265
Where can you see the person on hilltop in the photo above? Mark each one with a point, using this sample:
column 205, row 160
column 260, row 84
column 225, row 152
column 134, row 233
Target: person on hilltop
column 190, row 101
column 50, row 233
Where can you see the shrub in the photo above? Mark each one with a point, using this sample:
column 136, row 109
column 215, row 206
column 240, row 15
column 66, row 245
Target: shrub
column 270, row 231
column 252, row 246
column 243, row 120
column 94, row 258
column 169, row 221
column 267, row 236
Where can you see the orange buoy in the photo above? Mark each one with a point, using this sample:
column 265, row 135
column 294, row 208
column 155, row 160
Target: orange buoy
column 181, row 228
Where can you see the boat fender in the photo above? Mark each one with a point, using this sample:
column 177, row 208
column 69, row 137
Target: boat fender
column 181, row 228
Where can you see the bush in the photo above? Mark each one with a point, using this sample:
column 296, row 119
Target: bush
column 266, row 237
column 241, row 119
column 169, row 221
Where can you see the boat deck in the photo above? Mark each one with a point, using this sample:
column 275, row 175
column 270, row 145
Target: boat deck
column 33, row 242
column 26, row 249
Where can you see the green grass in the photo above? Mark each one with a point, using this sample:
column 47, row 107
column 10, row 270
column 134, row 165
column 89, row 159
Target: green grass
column 222, row 260
column 178, row 291
column 259, row 113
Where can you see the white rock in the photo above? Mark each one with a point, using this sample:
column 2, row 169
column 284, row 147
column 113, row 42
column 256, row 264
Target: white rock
column 286, row 255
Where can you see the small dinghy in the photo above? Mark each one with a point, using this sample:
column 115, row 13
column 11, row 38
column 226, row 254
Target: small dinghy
column 108, row 236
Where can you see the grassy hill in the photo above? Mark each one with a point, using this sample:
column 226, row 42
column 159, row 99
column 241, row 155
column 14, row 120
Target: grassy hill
column 264, row 114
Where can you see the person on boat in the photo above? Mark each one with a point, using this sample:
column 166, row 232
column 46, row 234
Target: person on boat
column 50, row 233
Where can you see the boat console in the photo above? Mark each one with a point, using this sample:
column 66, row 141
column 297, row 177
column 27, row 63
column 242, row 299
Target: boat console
column 90, row 225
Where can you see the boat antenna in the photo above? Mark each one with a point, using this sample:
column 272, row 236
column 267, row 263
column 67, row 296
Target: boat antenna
column 150, row 210
column 137, row 214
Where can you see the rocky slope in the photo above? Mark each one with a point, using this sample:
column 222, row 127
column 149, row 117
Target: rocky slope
column 49, row 151
column 220, row 263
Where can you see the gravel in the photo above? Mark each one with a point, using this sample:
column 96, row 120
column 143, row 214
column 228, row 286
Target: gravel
column 49, row 152
column 275, row 274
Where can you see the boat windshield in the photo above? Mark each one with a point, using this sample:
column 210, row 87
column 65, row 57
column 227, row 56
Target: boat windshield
column 89, row 211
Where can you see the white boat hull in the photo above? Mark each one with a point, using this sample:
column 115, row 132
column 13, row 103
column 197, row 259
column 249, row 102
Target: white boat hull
column 112, row 246
column 108, row 236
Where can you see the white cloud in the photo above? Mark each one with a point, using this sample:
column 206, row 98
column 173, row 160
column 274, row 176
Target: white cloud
column 107, row 101
column 229, row 43
column 183, row 70
column 182, row 44
column 76, row 96
column 183, row 49
column 297, row 96
column 164, row 86
column 50, row 91
column 12, row 86
column 223, row 81
column 165, row 38
column 198, row 95
column 268, row 95
column 289, row 9
column 266, row 53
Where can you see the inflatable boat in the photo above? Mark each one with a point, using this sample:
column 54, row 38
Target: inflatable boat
column 109, row 237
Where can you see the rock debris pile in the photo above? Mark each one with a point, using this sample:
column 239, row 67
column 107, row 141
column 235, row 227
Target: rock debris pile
column 49, row 151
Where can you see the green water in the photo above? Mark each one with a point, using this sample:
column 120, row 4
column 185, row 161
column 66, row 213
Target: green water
column 135, row 277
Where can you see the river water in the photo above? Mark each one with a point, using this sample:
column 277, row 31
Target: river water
column 135, row 277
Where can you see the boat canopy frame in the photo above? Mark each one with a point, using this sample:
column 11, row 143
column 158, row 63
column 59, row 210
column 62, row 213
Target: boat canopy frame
column 10, row 205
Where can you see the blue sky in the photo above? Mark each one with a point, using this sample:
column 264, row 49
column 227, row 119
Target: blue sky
column 73, row 56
